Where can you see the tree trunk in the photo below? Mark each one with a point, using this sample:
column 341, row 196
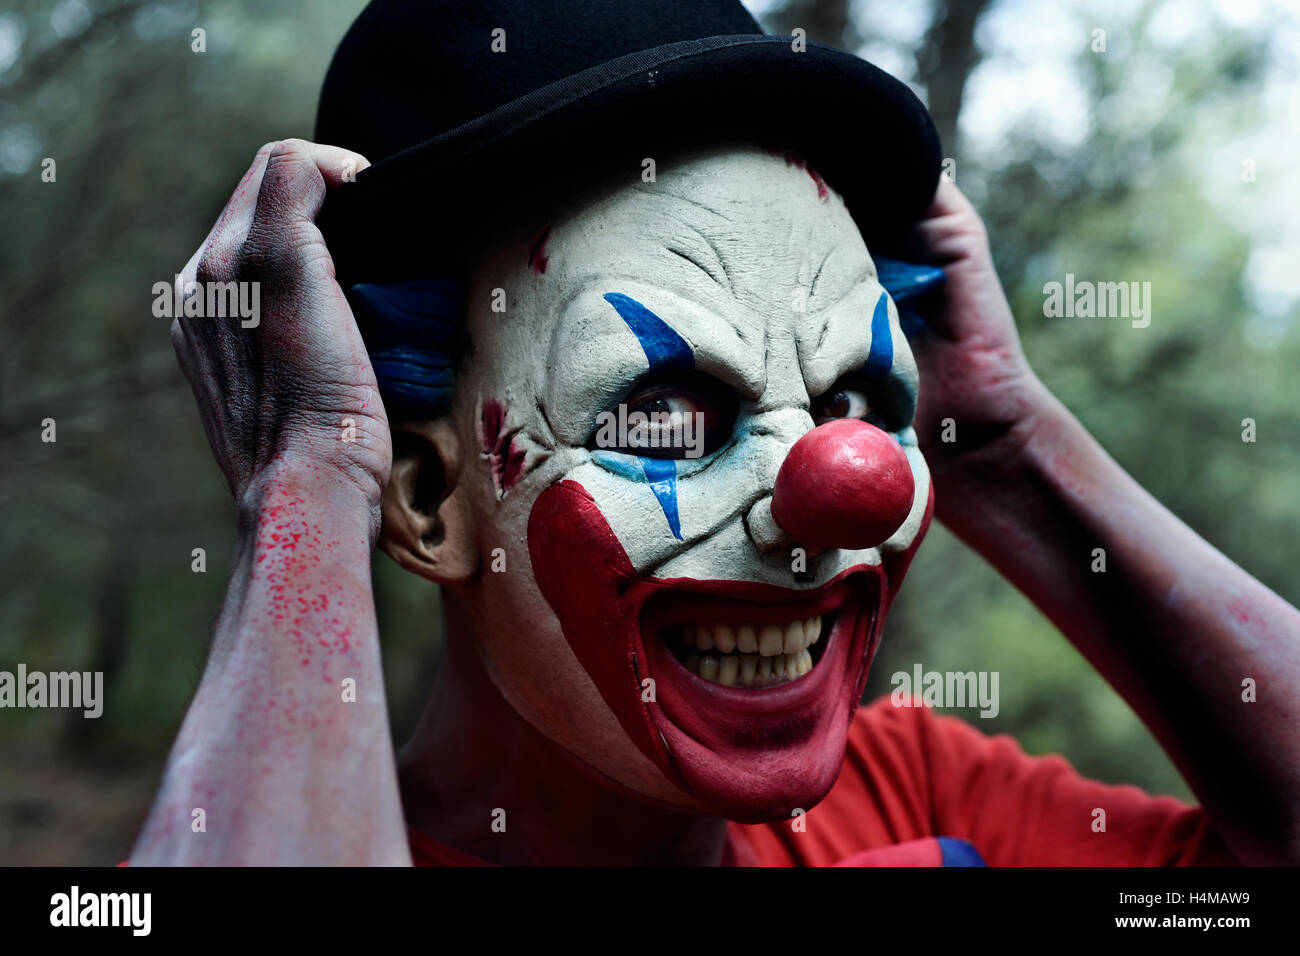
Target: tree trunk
column 945, row 61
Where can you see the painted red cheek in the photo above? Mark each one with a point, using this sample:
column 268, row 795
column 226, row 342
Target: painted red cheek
column 845, row 484
column 586, row 577
column 584, row 574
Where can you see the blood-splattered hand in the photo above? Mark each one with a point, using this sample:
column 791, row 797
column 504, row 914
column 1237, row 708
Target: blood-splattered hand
column 293, row 383
column 971, row 365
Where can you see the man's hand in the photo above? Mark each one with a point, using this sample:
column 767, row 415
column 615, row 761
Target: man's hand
column 286, row 745
column 1169, row 621
column 298, row 385
column 971, row 365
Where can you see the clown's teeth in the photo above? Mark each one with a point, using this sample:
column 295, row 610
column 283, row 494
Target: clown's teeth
column 812, row 629
column 725, row 638
column 767, row 640
column 792, row 642
column 704, row 638
column 746, row 639
column 750, row 670
column 709, row 667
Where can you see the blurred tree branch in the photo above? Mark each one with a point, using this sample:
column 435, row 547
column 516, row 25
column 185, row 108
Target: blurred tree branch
column 825, row 21
column 54, row 58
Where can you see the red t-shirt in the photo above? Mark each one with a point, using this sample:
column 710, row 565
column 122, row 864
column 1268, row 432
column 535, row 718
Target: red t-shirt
column 918, row 789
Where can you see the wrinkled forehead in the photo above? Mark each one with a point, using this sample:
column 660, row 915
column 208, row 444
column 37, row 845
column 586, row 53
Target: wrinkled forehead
column 745, row 225
column 751, row 238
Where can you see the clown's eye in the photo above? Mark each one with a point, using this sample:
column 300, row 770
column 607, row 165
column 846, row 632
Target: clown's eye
column 842, row 403
column 846, row 399
column 683, row 417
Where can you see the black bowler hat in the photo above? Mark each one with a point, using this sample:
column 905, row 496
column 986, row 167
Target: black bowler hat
column 467, row 106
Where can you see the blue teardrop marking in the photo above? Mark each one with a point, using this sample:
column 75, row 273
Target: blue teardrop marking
column 881, row 357
column 662, row 475
column 665, row 350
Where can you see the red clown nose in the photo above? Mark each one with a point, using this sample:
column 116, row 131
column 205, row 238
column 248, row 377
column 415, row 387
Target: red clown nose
column 845, row 484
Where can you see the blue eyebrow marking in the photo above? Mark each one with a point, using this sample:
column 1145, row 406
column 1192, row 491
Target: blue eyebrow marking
column 881, row 357
column 664, row 348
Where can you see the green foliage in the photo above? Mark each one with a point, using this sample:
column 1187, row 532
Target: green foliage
column 151, row 137
column 1127, row 203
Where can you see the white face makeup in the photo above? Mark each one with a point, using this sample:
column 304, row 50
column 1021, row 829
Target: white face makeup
column 736, row 287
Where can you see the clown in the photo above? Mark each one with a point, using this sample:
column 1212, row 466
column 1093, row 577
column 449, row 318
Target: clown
column 656, row 648
column 654, row 571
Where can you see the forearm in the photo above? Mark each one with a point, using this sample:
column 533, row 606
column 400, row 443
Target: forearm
column 1173, row 624
column 286, row 747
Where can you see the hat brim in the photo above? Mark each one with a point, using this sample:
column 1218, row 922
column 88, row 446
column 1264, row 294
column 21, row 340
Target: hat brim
column 864, row 131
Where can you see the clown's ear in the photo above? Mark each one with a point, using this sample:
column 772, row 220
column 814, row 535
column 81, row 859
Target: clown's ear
column 428, row 526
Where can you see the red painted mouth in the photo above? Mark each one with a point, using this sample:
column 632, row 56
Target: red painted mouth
column 750, row 753
column 678, row 608
column 778, row 746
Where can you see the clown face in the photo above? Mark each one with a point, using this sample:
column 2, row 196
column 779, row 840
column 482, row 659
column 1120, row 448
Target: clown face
column 685, row 615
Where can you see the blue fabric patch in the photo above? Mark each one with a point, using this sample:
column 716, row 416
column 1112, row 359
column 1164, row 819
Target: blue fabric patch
column 410, row 330
column 957, row 852
column 907, row 284
column 903, row 280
